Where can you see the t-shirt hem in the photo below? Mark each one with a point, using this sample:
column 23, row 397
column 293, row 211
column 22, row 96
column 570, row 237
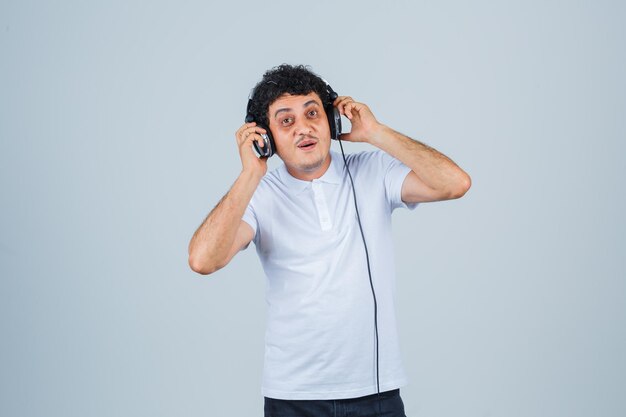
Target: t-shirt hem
column 332, row 395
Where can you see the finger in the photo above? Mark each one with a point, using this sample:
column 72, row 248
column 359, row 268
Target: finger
column 253, row 137
column 340, row 99
column 244, row 127
column 351, row 108
column 344, row 108
column 240, row 131
column 257, row 130
column 259, row 139
column 244, row 134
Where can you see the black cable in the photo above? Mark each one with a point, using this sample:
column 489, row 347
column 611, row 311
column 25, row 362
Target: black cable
column 369, row 272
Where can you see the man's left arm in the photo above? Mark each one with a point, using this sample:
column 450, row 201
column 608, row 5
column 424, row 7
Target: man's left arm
column 433, row 176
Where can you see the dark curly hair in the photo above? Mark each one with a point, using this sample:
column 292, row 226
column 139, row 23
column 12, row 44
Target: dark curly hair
column 285, row 79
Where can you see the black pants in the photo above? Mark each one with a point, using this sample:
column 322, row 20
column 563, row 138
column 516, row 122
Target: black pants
column 388, row 404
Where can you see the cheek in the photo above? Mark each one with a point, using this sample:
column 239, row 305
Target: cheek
column 283, row 142
column 322, row 126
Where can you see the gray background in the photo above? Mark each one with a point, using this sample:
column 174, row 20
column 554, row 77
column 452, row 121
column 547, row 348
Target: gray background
column 116, row 139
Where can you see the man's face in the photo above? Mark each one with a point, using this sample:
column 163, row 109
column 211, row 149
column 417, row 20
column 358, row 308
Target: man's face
column 301, row 133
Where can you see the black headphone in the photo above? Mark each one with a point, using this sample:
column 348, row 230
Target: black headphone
column 334, row 121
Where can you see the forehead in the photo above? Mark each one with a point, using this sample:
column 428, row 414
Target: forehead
column 294, row 102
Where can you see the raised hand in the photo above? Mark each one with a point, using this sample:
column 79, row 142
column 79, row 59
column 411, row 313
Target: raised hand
column 250, row 162
column 365, row 127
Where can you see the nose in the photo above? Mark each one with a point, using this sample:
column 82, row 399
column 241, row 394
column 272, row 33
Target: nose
column 302, row 127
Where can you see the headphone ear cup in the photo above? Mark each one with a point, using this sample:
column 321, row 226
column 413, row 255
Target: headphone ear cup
column 334, row 121
column 269, row 147
column 268, row 141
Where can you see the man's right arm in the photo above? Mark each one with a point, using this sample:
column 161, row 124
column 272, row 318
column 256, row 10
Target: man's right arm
column 223, row 233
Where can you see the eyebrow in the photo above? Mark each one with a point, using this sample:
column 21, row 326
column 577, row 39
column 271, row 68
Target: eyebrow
column 308, row 103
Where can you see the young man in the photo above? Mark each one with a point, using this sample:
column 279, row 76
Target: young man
column 325, row 243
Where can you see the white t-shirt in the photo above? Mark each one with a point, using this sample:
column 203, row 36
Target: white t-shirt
column 320, row 339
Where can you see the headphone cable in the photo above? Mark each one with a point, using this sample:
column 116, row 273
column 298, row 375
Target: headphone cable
column 369, row 272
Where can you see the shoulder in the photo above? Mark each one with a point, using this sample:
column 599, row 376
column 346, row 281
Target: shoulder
column 271, row 184
column 271, row 179
column 369, row 160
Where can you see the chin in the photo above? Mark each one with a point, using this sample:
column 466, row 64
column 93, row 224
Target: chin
column 312, row 165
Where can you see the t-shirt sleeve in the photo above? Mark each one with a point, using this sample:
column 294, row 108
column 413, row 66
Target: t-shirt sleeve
column 249, row 216
column 395, row 173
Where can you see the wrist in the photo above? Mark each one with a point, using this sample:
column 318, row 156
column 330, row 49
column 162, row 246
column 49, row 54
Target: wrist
column 380, row 135
column 251, row 175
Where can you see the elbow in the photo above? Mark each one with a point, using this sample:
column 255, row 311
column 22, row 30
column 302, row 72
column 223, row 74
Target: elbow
column 203, row 266
column 462, row 186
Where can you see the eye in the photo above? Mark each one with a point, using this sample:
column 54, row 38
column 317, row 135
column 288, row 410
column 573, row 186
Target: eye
column 313, row 113
column 286, row 121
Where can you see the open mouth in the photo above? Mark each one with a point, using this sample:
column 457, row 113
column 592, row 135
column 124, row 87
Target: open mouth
column 307, row 144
